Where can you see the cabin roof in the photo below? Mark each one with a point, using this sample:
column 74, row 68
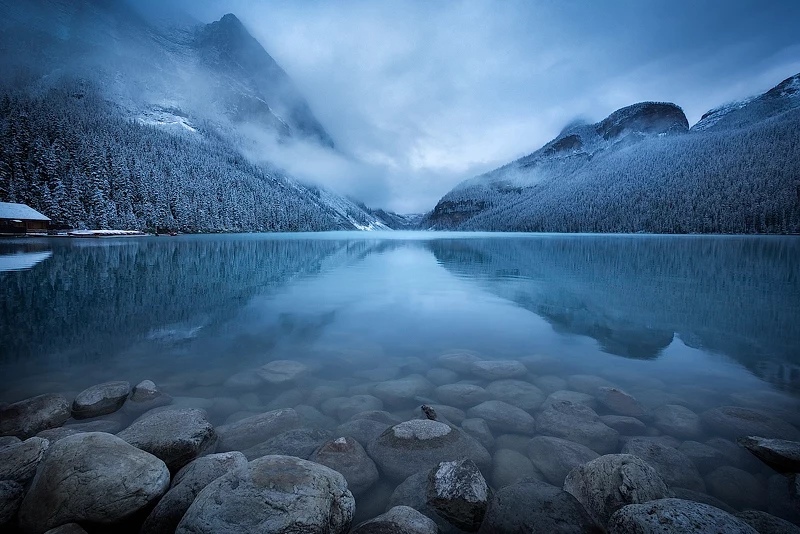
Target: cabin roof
column 23, row 212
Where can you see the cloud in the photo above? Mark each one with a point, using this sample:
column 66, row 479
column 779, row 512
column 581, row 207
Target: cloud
column 420, row 95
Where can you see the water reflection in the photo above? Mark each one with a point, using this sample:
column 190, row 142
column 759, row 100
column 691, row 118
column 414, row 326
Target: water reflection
column 15, row 256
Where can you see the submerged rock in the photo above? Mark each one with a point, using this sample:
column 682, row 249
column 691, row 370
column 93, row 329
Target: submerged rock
column 619, row 402
column 145, row 396
column 250, row 431
column 626, row 426
column 510, row 467
column 675, row 515
column 403, row 391
column 18, row 461
column 577, row 423
column 356, row 404
column 478, row 429
column 503, row 417
column 462, row 395
column 100, row 399
column 738, row 488
column 705, row 457
column 398, row 520
column 610, row 482
column 735, row 422
column 678, row 421
column 26, row 418
column 556, row 457
column 279, row 372
column 571, row 396
column 459, row 361
column 705, row 498
column 348, row 457
column 363, row 430
column 498, row 369
column 300, row 442
column 780, row 454
column 517, row 393
column 458, row 493
column 277, row 494
column 92, row 477
column 673, row 466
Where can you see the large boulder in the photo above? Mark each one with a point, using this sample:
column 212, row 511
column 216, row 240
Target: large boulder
column 462, row 395
column 677, row 421
column 26, row 418
column 518, row 393
column 186, row 485
column 734, row 422
column 534, row 506
column 11, row 494
column 249, row 431
column 411, row 446
column 100, row 399
column 92, row 477
column 18, row 461
column 498, row 369
column 577, row 423
column 348, row 457
column 398, row 520
column 780, row 454
column 503, row 417
column 556, row 457
column 606, row 484
column 300, row 442
column 177, row 436
column 277, row 494
column 675, row 515
column 673, row 466
column 458, row 493
column 766, row 523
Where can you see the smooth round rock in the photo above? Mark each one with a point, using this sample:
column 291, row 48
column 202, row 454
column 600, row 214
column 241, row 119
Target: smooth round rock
column 705, row 457
column 398, row 520
column 145, row 396
column 348, row 457
column 510, row 467
column 11, row 494
column 766, row 523
column 280, row 372
column 92, row 477
column 26, row 418
column 677, row 421
column 556, row 457
column 675, row 515
column 571, row 396
column 18, row 461
column 517, row 393
column 619, row 402
column 351, row 406
column 175, row 436
column 478, row 429
column 738, row 488
column 403, row 391
column 503, row 417
column 673, row 466
column 577, row 423
column 734, row 422
column 277, row 494
column 363, row 430
column 300, row 442
column 461, row 395
column 100, row 399
column 588, row 384
column 626, row 426
column 440, row 376
column 249, row 431
column 459, row 361
column 419, row 444
column 610, row 482
column 498, row 369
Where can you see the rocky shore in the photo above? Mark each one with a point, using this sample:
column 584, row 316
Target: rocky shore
column 501, row 446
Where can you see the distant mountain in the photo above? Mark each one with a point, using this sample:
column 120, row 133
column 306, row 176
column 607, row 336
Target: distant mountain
column 109, row 119
column 643, row 170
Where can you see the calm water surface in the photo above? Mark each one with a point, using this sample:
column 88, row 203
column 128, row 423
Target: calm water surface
column 698, row 321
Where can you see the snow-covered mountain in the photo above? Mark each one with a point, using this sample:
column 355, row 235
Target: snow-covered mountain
column 643, row 170
column 209, row 90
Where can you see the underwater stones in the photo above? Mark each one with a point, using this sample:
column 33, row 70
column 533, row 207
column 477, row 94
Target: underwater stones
column 607, row 483
column 398, row 520
column 550, row 384
column 517, row 393
column 510, row 466
column 675, row 515
column 556, row 457
column 18, row 461
column 405, row 448
column 28, row 417
column 280, row 372
column 403, row 390
column 458, row 493
column 675, row 468
column 100, row 399
column 278, row 494
column 766, row 523
column 300, row 442
column 498, row 369
column 186, row 485
column 350, row 406
column 250, row 431
column 478, row 429
column 92, row 477
column 363, row 430
column 780, row 454
column 175, row 436
column 458, row 361
column 626, row 426
column 588, row 384
column 738, row 488
column 677, row 421
column 577, row 423
column 705, row 457
column 734, row 422
column 503, row 417
column 617, row 401
column 534, row 506
column 571, row 396
column 348, row 457
column 440, row 377
column 461, row 395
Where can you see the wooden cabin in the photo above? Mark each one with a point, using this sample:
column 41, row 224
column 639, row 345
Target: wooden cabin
column 20, row 219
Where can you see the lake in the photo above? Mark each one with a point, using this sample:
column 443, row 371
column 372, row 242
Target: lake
column 693, row 321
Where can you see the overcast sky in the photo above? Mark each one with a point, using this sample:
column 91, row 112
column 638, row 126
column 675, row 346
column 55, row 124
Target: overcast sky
column 419, row 95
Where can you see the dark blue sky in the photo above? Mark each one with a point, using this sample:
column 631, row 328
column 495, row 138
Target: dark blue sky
column 422, row 94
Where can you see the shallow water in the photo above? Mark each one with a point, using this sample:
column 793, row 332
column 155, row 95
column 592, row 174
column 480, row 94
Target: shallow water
column 692, row 320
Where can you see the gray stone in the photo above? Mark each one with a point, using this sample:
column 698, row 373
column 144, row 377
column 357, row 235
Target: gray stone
column 175, row 436
column 461, row 395
column 675, row 515
column 780, row 454
column 578, row 423
column 459, row 361
column 697, row 496
column 498, row 369
column 517, row 393
column 398, row 520
column 677, row 421
column 735, row 455
column 439, row 376
column 18, row 462
column 510, row 467
column 403, row 391
column 627, row 426
column 705, row 457
column 100, row 399
column 766, row 523
column 250, row 431
column 503, row 417
column 11, row 494
column 55, row 434
column 515, row 442
column 277, row 494
column 619, row 402
column 606, row 484
column 556, row 457
column 363, row 430
column 10, row 440
column 145, row 396
column 734, row 422
column 314, row 417
column 535, row 506
column 550, row 384
column 109, row 426
column 419, row 444
column 458, row 493
column 26, row 418
column 92, row 477
column 674, row 467
column 348, row 457
column 478, row 429
column 663, row 439
column 186, row 485
column 300, row 442
column 588, row 384
column 357, row 404
column 281, row 372
column 738, row 488
column 571, row 396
